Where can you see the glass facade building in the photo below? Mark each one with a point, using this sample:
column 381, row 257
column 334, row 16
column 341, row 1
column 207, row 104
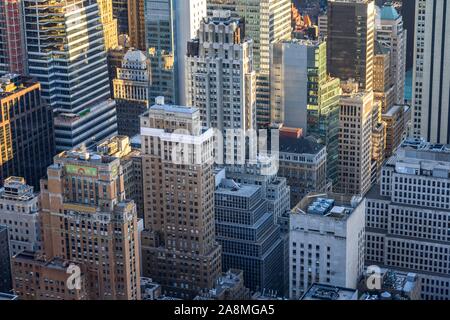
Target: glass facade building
column 66, row 54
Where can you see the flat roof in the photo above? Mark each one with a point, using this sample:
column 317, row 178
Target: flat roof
column 328, row 292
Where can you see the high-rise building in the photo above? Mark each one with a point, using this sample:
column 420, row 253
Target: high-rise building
column 351, row 35
column 409, row 19
column 383, row 85
column 87, row 220
column 109, row 23
column 12, row 45
column 69, row 61
column 355, row 140
column 249, row 237
column 408, row 216
column 304, row 96
column 391, row 33
column 5, row 264
column 179, row 249
column 326, row 242
column 136, row 24
column 266, row 22
column 131, row 91
column 169, row 25
column 19, row 211
column 303, row 162
column 36, row 278
column 131, row 162
column 26, row 130
column 431, row 74
column 120, row 13
column 221, row 81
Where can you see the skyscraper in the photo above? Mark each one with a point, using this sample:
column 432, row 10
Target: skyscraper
column 179, row 249
column 383, row 84
column 109, row 23
column 221, row 81
column 27, row 142
column 304, row 96
column 12, row 42
column 391, row 33
column 408, row 216
column 120, row 13
column 266, row 22
column 86, row 219
column 431, row 74
column 355, row 140
column 69, row 61
column 136, row 23
column 131, row 91
column 169, row 25
column 326, row 242
column 351, row 35
column 249, row 237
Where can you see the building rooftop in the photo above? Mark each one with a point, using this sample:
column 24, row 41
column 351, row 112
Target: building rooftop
column 38, row 258
column 12, row 83
column 388, row 12
column 327, row 292
column 337, row 206
column 81, row 154
column 299, row 145
column 230, row 187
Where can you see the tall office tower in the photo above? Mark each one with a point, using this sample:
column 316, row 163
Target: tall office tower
column 131, row 162
column 390, row 33
column 19, row 211
column 408, row 216
column 12, row 46
column 249, row 237
column 409, row 19
column 221, row 81
column 355, row 140
column 351, row 35
column 395, row 128
column 114, row 59
column 383, row 85
column 266, row 22
column 120, row 13
column 303, row 162
column 71, row 66
column 431, row 74
column 378, row 148
column 86, row 219
column 136, row 24
column 326, row 242
column 5, row 264
column 169, row 25
column 109, row 23
column 36, row 278
column 304, row 96
column 131, row 91
column 179, row 249
column 275, row 189
column 26, row 132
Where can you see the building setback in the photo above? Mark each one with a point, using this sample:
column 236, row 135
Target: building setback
column 250, row 239
column 179, row 250
column 26, row 130
column 408, row 216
